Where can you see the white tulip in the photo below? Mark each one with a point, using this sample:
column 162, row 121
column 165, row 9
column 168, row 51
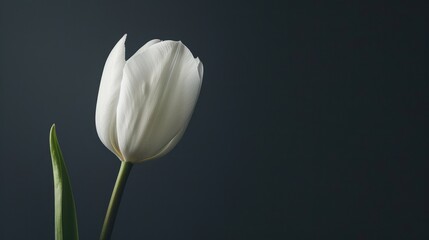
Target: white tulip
column 145, row 103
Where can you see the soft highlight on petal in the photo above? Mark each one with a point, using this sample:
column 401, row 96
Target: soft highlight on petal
column 108, row 95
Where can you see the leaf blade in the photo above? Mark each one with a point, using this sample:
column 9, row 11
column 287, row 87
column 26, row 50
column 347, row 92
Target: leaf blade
column 66, row 227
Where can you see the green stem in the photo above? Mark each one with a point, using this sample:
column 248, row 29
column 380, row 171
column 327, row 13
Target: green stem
column 115, row 200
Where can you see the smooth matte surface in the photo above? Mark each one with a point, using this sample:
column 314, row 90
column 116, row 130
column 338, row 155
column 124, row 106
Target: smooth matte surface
column 311, row 122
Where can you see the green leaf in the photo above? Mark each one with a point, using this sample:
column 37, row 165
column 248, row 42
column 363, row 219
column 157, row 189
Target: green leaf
column 65, row 211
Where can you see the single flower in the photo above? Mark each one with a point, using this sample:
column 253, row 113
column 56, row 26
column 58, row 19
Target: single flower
column 145, row 103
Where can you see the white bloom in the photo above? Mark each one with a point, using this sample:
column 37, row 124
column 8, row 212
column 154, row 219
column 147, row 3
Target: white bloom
column 145, row 103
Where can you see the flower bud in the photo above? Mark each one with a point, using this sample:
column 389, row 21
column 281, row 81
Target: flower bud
column 144, row 103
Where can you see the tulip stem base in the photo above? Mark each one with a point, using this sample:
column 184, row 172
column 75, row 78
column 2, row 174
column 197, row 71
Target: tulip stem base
column 115, row 200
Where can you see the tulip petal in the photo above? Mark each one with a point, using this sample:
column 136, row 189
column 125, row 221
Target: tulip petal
column 108, row 94
column 179, row 135
column 158, row 93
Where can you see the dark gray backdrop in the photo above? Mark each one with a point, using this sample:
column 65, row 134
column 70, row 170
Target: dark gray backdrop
column 311, row 123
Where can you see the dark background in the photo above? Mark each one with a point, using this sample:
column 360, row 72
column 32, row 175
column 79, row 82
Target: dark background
column 311, row 122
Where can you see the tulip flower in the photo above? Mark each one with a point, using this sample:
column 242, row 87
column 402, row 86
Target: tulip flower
column 144, row 105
